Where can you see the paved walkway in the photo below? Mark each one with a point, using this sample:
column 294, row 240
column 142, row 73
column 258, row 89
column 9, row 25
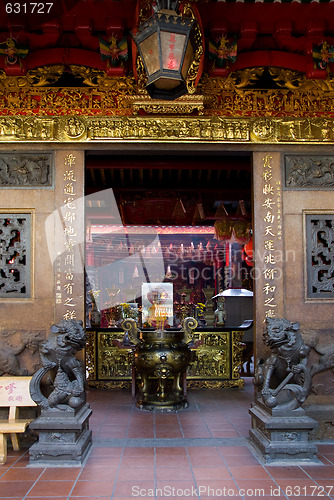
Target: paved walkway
column 201, row 452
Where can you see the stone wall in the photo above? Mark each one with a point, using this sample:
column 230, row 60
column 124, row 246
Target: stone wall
column 307, row 182
column 33, row 183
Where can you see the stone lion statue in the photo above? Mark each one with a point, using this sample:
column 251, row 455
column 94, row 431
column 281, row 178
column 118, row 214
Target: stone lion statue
column 283, row 379
column 65, row 370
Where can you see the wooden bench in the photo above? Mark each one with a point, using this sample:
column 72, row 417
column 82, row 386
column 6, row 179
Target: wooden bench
column 14, row 393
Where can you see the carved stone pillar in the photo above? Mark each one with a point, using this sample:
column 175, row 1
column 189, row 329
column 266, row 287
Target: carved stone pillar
column 68, row 223
column 267, row 242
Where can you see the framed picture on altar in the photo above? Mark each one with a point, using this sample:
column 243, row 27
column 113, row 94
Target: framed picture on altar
column 157, row 305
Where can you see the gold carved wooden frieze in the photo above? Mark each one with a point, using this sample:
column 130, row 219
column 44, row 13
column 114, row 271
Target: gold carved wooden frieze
column 104, row 108
column 165, row 128
column 293, row 94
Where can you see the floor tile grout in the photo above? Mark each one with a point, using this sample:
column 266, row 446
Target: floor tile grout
column 216, row 412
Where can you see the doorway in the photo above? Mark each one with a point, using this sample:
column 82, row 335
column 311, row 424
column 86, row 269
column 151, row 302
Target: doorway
column 180, row 223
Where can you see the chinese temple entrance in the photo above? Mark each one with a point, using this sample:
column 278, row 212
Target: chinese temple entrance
column 170, row 237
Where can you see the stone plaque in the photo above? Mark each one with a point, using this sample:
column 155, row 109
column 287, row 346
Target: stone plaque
column 309, row 172
column 26, row 170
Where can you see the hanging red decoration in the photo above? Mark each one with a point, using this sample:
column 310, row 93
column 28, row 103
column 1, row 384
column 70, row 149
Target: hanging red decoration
column 248, row 252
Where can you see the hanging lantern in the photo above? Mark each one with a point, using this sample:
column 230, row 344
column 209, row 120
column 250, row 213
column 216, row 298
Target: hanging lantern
column 233, row 229
column 242, row 231
column 223, row 229
column 167, row 43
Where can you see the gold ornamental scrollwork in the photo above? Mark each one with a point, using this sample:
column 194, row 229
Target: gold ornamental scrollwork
column 97, row 78
column 235, row 80
column 215, row 384
column 141, row 76
column 39, row 77
column 237, row 349
column 90, row 355
column 90, row 76
column 110, row 384
column 198, row 41
column 145, row 10
column 294, row 80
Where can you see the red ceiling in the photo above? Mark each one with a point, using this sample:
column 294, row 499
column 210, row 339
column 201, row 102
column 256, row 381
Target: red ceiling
column 269, row 34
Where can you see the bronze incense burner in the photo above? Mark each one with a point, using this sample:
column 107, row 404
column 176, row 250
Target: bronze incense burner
column 161, row 358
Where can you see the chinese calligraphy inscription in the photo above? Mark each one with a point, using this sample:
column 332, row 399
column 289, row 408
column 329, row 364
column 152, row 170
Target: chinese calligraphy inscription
column 70, row 237
column 272, row 234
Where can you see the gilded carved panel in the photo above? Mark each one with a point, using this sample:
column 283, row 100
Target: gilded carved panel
column 113, row 362
column 212, row 359
column 112, row 109
column 166, row 128
column 216, row 361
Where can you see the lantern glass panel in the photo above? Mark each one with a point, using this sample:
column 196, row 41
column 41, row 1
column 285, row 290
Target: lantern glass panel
column 172, row 45
column 150, row 53
column 166, row 83
column 188, row 58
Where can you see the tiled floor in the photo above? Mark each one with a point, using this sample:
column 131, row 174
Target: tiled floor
column 201, row 452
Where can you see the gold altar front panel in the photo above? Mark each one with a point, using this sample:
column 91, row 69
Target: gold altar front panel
column 113, row 362
column 212, row 356
column 216, row 360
